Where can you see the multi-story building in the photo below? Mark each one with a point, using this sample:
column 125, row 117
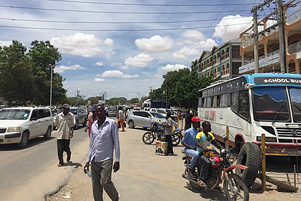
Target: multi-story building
column 268, row 45
column 221, row 62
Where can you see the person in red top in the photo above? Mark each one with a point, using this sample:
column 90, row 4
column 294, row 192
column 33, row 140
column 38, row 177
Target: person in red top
column 91, row 118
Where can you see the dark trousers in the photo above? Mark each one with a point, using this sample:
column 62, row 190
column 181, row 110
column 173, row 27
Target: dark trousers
column 204, row 164
column 101, row 179
column 169, row 144
column 63, row 145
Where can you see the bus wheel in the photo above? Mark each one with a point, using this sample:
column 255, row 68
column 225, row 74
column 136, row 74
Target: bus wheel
column 249, row 156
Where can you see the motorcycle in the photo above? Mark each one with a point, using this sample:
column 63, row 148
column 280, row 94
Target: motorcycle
column 220, row 170
column 157, row 133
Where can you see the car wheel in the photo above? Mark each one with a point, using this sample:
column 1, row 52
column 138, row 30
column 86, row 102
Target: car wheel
column 85, row 123
column 131, row 124
column 24, row 140
column 76, row 125
column 48, row 133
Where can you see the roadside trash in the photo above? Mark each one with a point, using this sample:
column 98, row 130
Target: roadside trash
column 66, row 195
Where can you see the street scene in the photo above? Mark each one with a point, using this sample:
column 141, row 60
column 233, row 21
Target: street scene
column 166, row 100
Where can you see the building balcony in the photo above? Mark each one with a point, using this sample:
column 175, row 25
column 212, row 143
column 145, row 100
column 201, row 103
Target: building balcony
column 294, row 17
column 271, row 58
column 293, row 48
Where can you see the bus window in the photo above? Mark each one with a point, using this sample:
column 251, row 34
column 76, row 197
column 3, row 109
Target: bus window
column 225, row 100
column 243, row 104
column 203, row 101
column 216, row 101
column 295, row 94
column 270, row 104
column 234, row 101
column 208, row 101
column 211, row 101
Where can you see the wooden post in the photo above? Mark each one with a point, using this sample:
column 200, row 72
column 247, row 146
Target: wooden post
column 182, row 122
column 227, row 134
column 263, row 163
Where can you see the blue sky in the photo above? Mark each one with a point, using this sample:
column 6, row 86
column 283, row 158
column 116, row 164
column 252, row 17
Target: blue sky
column 111, row 57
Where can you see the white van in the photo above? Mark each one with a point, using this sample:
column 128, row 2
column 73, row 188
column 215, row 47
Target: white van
column 19, row 124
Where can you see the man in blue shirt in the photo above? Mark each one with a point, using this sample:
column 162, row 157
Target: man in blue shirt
column 188, row 142
column 104, row 140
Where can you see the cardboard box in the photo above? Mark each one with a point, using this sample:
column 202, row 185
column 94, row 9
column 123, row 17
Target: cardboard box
column 161, row 148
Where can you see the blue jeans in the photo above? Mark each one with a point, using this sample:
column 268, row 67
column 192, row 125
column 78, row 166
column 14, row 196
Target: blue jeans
column 194, row 154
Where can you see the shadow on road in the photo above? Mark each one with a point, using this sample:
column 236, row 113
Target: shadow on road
column 32, row 142
column 75, row 165
column 279, row 164
column 216, row 194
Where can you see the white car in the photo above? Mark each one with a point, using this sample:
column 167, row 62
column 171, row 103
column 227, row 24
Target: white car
column 162, row 111
column 20, row 124
column 144, row 119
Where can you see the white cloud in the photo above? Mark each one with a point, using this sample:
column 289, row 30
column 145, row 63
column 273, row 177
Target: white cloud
column 109, row 42
column 173, row 67
column 145, row 80
column 195, row 50
column 155, row 44
column 179, row 43
column 140, row 60
column 99, row 80
column 99, row 63
column 116, row 64
column 237, row 25
column 158, row 76
column 61, row 69
column 5, row 43
column 194, row 34
column 85, row 45
column 117, row 73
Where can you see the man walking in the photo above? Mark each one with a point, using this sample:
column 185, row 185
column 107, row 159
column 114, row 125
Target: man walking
column 188, row 119
column 104, row 139
column 121, row 118
column 64, row 122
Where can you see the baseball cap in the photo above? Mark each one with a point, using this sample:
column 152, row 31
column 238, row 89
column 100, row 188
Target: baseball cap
column 66, row 106
column 195, row 119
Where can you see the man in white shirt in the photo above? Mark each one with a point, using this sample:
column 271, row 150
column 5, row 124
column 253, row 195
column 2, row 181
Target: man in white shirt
column 64, row 122
column 104, row 139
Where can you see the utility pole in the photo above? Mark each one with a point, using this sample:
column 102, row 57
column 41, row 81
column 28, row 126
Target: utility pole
column 255, row 35
column 50, row 96
column 256, row 57
column 282, row 52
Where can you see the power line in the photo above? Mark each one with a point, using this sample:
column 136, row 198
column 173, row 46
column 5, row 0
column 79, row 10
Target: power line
column 140, row 4
column 116, row 12
column 111, row 30
column 193, row 54
column 101, row 22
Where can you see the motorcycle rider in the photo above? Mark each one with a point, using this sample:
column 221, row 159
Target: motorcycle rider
column 203, row 140
column 188, row 141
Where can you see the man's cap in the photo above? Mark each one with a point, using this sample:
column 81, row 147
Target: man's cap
column 66, row 106
column 195, row 119
column 93, row 109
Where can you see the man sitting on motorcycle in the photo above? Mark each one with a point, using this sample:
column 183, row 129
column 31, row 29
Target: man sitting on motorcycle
column 203, row 140
column 188, row 142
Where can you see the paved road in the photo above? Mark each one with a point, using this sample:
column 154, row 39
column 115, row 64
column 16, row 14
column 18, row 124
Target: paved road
column 31, row 173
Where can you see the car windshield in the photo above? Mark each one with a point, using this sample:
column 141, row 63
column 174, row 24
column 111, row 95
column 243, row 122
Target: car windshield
column 74, row 111
column 157, row 115
column 112, row 109
column 270, row 104
column 161, row 111
column 295, row 95
column 14, row 114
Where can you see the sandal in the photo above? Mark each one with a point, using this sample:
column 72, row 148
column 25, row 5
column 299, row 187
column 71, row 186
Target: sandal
column 201, row 183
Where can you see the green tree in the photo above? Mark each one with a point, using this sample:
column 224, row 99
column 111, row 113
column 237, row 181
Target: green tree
column 15, row 74
column 133, row 101
column 44, row 56
column 182, row 88
column 117, row 101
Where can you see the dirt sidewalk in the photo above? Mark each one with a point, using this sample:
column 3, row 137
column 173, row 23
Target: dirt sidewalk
column 146, row 176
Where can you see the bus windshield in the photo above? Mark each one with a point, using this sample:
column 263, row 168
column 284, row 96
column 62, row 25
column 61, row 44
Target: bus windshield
column 295, row 95
column 270, row 104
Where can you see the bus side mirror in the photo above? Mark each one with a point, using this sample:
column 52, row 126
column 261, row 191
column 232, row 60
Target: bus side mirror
column 225, row 139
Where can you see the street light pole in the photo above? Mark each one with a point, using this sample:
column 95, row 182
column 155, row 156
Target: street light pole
column 50, row 104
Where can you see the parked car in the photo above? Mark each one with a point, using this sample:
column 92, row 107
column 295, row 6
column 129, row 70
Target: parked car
column 159, row 110
column 112, row 111
column 20, row 124
column 144, row 118
column 81, row 116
